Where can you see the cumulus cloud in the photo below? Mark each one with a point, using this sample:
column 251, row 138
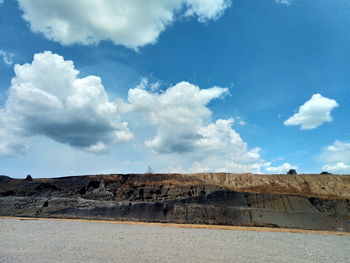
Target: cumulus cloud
column 185, row 128
column 47, row 98
column 6, row 57
column 132, row 23
column 179, row 114
column 223, row 150
column 313, row 113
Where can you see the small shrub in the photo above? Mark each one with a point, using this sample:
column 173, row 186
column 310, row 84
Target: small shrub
column 29, row 178
column 292, row 171
column 149, row 170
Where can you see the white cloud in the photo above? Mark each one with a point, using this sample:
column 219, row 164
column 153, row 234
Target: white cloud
column 283, row 168
column 179, row 113
column 313, row 113
column 223, row 150
column 186, row 132
column 6, row 57
column 339, row 146
column 339, row 167
column 47, row 98
column 284, row 2
column 132, row 23
column 337, row 152
column 336, row 157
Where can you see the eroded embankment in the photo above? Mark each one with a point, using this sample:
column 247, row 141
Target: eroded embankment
column 319, row 202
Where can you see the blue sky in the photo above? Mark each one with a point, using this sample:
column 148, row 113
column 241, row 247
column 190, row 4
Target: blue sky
column 208, row 88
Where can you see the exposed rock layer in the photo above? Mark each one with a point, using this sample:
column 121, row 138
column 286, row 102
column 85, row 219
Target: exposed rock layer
column 293, row 201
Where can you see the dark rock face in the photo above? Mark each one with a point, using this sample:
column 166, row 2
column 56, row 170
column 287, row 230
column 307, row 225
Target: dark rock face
column 201, row 199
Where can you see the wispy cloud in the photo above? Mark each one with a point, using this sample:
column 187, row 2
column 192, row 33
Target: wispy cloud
column 284, row 2
column 336, row 157
column 339, row 167
column 7, row 57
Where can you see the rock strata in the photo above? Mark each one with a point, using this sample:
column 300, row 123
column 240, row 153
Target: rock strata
column 320, row 202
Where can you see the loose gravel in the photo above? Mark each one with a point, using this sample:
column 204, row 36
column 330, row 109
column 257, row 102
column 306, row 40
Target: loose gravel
column 68, row 241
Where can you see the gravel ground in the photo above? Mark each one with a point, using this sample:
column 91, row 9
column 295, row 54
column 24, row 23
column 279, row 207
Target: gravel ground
column 67, row 241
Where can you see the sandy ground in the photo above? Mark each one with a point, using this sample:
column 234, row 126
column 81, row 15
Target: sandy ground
column 23, row 240
column 217, row 227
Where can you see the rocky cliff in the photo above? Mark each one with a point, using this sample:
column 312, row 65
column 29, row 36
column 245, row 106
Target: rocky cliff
column 303, row 201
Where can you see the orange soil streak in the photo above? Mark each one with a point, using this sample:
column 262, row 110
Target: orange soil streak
column 197, row 226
